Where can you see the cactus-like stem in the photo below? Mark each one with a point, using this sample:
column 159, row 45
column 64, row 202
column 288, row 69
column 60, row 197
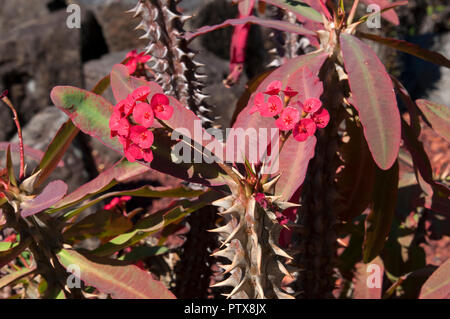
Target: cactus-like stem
column 317, row 246
column 250, row 241
column 286, row 45
column 172, row 60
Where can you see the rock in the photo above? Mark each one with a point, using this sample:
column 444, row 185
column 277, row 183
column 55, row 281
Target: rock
column 95, row 70
column 39, row 132
column 35, row 57
column 118, row 27
column 21, row 12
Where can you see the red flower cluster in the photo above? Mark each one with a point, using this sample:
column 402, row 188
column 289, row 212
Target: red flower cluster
column 132, row 118
column 134, row 59
column 117, row 201
column 302, row 118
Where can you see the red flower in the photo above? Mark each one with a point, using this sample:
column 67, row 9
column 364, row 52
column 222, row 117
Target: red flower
column 117, row 201
column 273, row 88
column 258, row 102
column 118, row 125
column 134, row 59
column 133, row 153
column 273, row 107
column 262, row 200
column 141, row 93
column 289, row 92
column 143, row 114
column 288, row 118
column 141, row 136
column 125, row 106
column 321, row 118
column 311, row 105
column 147, row 155
column 11, row 238
column 161, row 107
column 304, row 129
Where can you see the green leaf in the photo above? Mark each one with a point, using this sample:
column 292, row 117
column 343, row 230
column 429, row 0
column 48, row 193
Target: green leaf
column 379, row 220
column 56, row 151
column 437, row 115
column 102, row 224
column 9, row 255
column 111, row 277
column 155, row 223
column 88, row 111
column 11, row 278
column 10, row 167
column 297, row 7
column 145, row 191
column 141, row 252
column 374, row 98
column 120, row 172
column 438, row 285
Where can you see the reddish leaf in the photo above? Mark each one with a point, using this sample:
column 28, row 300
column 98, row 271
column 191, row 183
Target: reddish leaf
column 51, row 194
column 373, row 96
column 355, row 181
column 114, row 278
column 437, row 115
column 390, row 16
column 29, row 151
column 274, row 24
column 120, row 172
column 438, row 285
column 409, row 48
column 122, row 83
column 294, row 159
column 379, row 220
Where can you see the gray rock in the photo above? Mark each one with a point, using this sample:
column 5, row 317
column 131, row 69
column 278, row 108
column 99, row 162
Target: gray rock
column 21, row 12
column 95, row 70
column 34, row 57
column 117, row 25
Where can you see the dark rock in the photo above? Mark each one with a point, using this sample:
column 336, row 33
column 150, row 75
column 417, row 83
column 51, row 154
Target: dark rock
column 34, row 57
column 117, row 25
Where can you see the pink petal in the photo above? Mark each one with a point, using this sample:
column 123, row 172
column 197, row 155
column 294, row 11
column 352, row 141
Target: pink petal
column 163, row 112
column 147, row 155
column 288, row 119
column 273, row 107
column 273, row 88
column 304, row 129
column 143, row 114
column 159, row 99
column 141, row 136
column 133, row 153
column 141, row 93
column 321, row 118
column 311, row 105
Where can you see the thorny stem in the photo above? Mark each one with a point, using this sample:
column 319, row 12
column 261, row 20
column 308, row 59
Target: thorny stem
column 19, row 132
column 352, row 12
